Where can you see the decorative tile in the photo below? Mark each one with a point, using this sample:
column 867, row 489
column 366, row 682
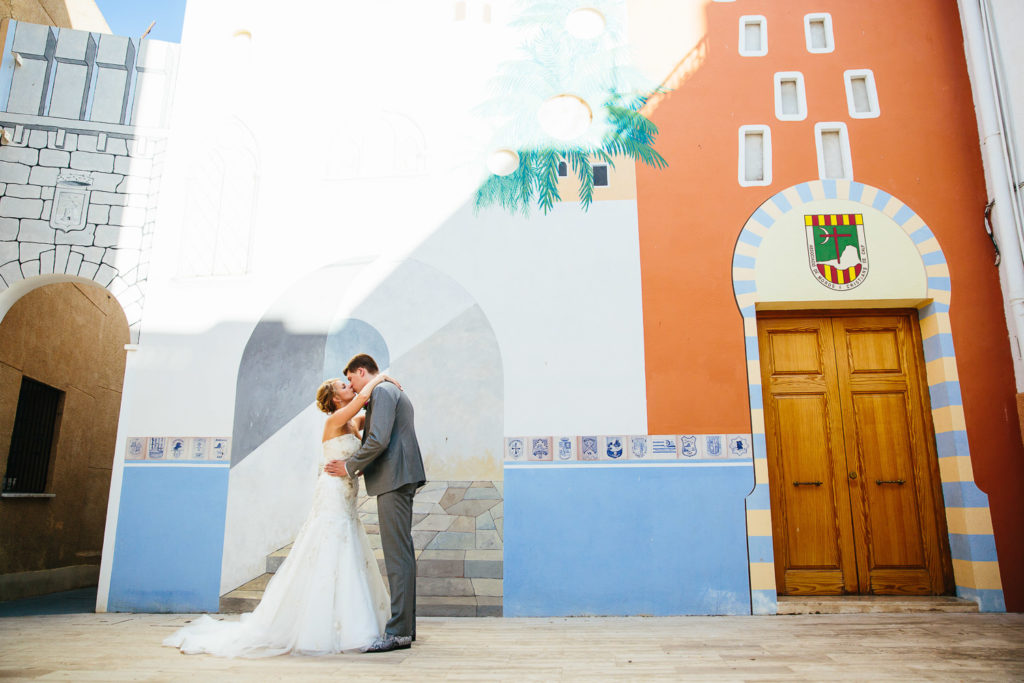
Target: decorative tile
column 539, row 448
column 663, row 447
column 220, row 450
column 136, row 448
column 177, row 448
column 515, row 449
column 199, row 448
column 691, row 445
column 157, row 448
column 714, row 446
column 565, row 448
column 739, row 446
column 613, row 448
column 588, row 448
column 489, row 493
column 640, row 448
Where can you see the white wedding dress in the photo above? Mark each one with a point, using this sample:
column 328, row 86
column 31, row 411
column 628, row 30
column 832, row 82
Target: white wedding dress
column 326, row 597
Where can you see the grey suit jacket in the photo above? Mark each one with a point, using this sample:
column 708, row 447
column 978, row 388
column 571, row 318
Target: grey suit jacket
column 390, row 455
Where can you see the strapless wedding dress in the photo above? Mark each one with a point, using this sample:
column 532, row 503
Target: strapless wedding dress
column 326, row 597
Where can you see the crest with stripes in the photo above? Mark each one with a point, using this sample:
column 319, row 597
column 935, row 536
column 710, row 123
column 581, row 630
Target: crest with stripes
column 836, row 249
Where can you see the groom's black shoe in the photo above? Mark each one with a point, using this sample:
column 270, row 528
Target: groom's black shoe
column 389, row 642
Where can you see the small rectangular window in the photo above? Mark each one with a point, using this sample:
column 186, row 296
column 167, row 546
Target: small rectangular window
column 790, row 97
column 755, row 156
column 600, row 175
column 818, row 32
column 833, row 146
column 861, row 94
column 563, row 169
column 753, row 36
column 32, row 439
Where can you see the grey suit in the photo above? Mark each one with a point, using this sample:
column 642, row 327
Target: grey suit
column 392, row 468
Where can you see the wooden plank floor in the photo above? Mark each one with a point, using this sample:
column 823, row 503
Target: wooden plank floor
column 903, row 647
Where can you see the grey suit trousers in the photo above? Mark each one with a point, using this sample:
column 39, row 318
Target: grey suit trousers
column 394, row 513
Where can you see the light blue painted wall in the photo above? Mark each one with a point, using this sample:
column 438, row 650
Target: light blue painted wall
column 625, row 540
column 170, row 536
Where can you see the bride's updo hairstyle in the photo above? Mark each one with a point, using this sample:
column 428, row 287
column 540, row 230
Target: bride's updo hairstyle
column 325, row 396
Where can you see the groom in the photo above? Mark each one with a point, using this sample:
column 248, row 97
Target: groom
column 390, row 463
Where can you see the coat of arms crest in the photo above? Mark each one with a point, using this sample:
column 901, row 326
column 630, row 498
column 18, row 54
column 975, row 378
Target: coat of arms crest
column 836, row 249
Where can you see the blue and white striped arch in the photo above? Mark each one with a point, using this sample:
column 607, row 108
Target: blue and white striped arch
column 971, row 540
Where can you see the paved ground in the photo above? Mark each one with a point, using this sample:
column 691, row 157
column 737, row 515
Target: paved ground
column 919, row 647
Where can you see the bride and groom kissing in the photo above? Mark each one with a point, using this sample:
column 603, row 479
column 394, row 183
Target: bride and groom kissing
column 328, row 595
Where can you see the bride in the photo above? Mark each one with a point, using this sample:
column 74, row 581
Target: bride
column 328, row 595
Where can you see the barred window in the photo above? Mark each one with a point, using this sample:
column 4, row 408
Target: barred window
column 35, row 425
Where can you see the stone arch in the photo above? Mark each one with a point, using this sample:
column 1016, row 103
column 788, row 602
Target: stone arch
column 972, row 544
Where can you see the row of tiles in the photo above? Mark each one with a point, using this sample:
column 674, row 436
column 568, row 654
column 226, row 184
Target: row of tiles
column 618, row 448
column 178, row 449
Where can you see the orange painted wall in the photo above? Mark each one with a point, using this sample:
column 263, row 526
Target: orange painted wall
column 923, row 149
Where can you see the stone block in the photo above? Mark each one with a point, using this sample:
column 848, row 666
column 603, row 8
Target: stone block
column 483, row 569
column 490, row 587
column 46, row 261
column 488, row 610
column 46, row 192
column 8, row 252
column 112, row 198
column 99, row 214
column 135, row 166
column 471, row 508
column 117, row 146
column 20, row 155
column 498, row 511
column 445, row 586
column 452, row 496
column 12, row 172
column 433, row 496
column 74, row 262
column 78, row 238
column 463, row 524
column 459, row 555
column 423, row 539
column 8, row 229
column 482, row 493
column 485, row 521
column 114, row 51
column 47, row 207
column 54, row 157
column 87, row 142
column 75, row 45
column 488, row 540
column 431, row 606
column 128, row 216
column 106, row 182
column 88, row 269
column 92, row 254
column 491, row 555
column 11, row 273
column 30, row 268
column 92, row 161
column 30, row 251
column 59, row 140
column 499, row 526
column 434, row 523
column 447, row 540
column 33, row 230
column 44, row 175
column 23, row 191
column 14, row 207
column 440, row 568
column 37, row 138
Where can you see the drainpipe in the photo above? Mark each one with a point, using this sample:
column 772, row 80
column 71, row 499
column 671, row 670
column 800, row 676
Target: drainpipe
column 997, row 156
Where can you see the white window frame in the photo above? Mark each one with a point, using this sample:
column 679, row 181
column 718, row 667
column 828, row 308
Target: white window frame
column 844, row 146
column 869, row 81
column 746, row 20
column 830, row 41
column 766, row 156
column 801, row 96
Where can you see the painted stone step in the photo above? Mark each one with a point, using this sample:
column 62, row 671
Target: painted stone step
column 864, row 604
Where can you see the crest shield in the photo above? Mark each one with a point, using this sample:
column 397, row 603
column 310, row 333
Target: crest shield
column 836, row 249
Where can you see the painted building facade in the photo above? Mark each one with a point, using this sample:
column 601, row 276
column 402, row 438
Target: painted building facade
column 637, row 404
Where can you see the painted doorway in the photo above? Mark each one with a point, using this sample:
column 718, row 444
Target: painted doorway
column 854, row 481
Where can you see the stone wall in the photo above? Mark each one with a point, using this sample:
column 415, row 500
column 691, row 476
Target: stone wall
column 458, row 527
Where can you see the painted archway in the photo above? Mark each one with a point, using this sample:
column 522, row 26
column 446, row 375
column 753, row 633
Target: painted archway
column 756, row 282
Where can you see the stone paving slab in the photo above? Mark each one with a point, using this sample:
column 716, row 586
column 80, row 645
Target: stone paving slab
column 895, row 647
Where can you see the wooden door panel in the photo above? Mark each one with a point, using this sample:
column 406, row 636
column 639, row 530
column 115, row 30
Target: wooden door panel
column 873, row 351
column 795, row 352
column 811, row 536
column 892, row 519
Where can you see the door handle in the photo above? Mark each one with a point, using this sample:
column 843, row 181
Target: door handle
column 898, row 482
column 806, row 483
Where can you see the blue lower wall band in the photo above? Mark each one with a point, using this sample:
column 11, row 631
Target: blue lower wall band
column 170, row 540
column 626, row 541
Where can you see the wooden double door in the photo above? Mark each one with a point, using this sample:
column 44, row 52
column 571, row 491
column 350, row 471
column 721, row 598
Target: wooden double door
column 855, row 489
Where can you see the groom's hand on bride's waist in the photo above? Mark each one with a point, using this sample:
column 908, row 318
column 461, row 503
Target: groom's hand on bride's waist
column 336, row 468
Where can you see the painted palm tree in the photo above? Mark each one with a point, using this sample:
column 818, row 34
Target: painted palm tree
column 556, row 63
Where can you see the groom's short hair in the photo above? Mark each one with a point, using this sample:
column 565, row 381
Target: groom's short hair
column 362, row 360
